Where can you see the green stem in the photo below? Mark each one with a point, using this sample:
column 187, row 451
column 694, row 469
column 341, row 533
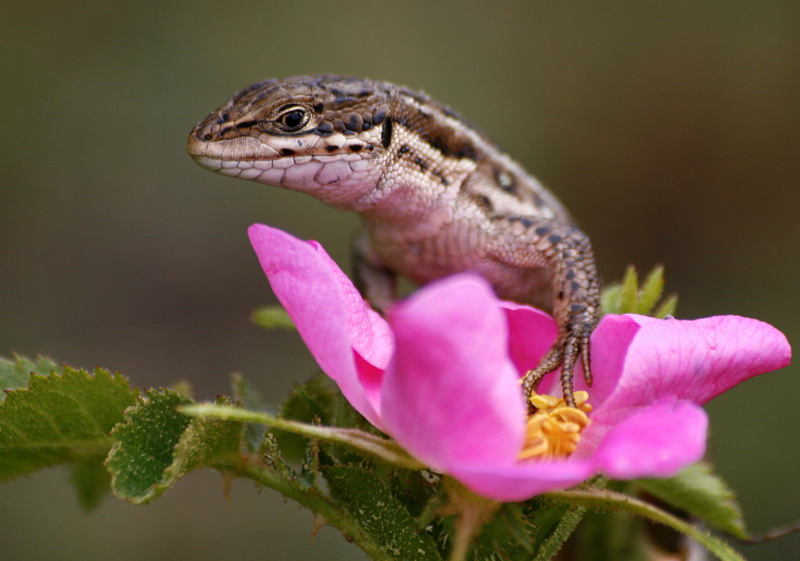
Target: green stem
column 381, row 449
column 468, row 524
column 472, row 512
column 611, row 500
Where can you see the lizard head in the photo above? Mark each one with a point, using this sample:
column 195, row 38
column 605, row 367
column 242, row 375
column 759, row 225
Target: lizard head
column 323, row 135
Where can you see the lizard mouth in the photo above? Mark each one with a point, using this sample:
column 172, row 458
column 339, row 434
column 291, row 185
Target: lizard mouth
column 302, row 162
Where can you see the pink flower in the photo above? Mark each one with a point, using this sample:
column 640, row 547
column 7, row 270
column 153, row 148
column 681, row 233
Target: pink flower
column 442, row 376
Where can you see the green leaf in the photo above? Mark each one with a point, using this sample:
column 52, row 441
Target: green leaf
column 701, row 493
column 204, row 443
column 651, row 290
column 667, row 307
column 628, row 298
column 272, row 317
column 610, row 298
column 369, row 501
column 60, row 419
column 416, row 489
column 522, row 532
column 144, row 446
column 314, row 401
column 630, row 291
column 248, row 397
column 15, row 373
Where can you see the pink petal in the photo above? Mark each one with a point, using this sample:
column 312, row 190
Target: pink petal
column 351, row 343
column 531, row 334
column 610, row 343
column 696, row 360
column 656, row 441
column 523, row 480
column 451, row 395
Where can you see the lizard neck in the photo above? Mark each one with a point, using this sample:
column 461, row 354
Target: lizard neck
column 427, row 158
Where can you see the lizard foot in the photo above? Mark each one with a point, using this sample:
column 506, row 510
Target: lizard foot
column 564, row 353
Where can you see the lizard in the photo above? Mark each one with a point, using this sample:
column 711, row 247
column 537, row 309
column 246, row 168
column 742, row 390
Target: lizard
column 434, row 196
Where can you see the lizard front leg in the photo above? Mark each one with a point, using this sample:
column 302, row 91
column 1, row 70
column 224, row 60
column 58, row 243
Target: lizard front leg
column 576, row 296
column 376, row 283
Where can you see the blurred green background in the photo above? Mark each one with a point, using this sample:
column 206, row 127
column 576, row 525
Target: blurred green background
column 671, row 130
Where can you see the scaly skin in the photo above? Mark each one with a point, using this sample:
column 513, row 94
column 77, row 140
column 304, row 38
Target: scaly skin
column 434, row 195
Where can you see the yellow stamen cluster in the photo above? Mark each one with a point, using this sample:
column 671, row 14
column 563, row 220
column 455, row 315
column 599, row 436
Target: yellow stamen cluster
column 554, row 430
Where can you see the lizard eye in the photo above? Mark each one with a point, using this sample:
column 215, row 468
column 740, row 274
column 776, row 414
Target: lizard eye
column 293, row 118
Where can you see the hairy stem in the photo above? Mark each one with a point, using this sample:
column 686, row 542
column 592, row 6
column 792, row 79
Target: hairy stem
column 610, row 500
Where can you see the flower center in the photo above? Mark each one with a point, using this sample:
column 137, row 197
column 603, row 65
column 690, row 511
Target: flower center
column 555, row 429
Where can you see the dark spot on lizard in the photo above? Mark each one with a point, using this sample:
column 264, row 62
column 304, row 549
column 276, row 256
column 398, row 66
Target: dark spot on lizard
column 386, row 133
column 574, row 286
column 541, row 230
column 421, row 163
column 340, row 100
column 467, row 151
column 450, row 145
column 367, row 122
column 370, row 147
column 325, row 127
column 380, row 114
column 438, row 174
column 353, row 122
column 403, row 149
column 287, row 152
column 555, row 239
column 570, row 274
column 245, row 124
column 331, row 148
column 356, row 147
column 337, row 90
column 484, row 202
column 538, row 201
column 524, row 220
column 319, row 107
column 224, row 130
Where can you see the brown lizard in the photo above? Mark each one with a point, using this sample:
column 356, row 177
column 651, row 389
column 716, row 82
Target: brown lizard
column 434, row 194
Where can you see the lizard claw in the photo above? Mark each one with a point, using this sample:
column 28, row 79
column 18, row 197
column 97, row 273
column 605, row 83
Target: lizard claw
column 564, row 353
